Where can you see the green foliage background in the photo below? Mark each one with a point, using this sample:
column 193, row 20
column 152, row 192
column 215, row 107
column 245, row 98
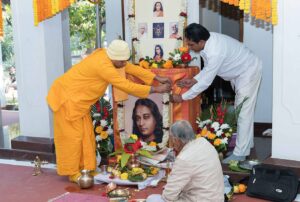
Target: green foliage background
column 83, row 24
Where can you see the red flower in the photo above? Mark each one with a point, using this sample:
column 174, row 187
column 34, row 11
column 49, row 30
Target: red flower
column 186, row 57
column 98, row 106
column 183, row 14
column 131, row 148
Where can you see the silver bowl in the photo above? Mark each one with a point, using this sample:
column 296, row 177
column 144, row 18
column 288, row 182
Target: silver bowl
column 248, row 164
column 122, row 193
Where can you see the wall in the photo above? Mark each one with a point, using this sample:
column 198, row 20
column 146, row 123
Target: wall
column 113, row 20
column 39, row 60
column 286, row 94
column 260, row 42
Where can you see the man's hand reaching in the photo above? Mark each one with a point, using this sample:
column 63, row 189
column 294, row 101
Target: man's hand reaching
column 163, row 80
column 186, row 83
column 163, row 88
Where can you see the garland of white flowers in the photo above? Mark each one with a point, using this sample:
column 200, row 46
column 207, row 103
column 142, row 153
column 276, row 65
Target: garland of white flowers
column 132, row 25
column 166, row 120
column 182, row 21
column 120, row 121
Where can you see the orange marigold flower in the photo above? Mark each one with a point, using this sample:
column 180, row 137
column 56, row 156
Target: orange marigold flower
column 184, row 49
column 168, row 64
column 211, row 136
column 103, row 135
column 217, row 142
column 99, row 129
column 203, row 132
column 152, row 144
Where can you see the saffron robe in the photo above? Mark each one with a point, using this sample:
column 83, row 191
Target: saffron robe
column 70, row 98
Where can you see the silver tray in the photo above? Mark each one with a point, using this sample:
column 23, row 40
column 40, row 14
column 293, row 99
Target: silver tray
column 248, row 164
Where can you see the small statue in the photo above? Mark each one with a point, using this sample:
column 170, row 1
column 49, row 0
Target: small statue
column 38, row 165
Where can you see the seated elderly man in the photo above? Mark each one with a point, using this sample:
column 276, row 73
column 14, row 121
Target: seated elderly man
column 197, row 173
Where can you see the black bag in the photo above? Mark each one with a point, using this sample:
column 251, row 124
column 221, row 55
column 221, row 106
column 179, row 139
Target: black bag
column 273, row 183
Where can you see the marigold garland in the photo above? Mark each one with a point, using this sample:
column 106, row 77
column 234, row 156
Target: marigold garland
column 265, row 10
column 44, row 9
column 1, row 20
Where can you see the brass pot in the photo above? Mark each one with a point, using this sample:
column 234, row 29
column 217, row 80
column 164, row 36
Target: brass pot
column 86, row 180
column 133, row 162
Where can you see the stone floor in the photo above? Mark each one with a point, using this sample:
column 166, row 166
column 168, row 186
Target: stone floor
column 18, row 184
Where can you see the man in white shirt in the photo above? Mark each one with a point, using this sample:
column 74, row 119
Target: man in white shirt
column 197, row 173
column 231, row 60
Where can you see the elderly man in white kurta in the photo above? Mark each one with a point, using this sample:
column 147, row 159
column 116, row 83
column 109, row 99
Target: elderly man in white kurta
column 232, row 61
column 197, row 173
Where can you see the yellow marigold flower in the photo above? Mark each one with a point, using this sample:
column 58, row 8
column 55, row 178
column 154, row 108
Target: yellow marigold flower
column 154, row 65
column 134, row 136
column 203, row 132
column 217, row 142
column 152, row 144
column 154, row 171
column 103, row 135
column 124, row 176
column 211, row 136
column 137, row 170
column 99, row 129
column 119, row 158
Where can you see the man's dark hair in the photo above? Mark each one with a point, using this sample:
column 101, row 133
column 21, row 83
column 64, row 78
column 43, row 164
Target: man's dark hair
column 156, row 114
column 196, row 32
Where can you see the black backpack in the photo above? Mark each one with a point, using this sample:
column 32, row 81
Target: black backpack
column 273, row 183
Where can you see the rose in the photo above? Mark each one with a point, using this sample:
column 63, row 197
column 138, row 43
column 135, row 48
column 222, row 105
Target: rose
column 183, row 14
column 131, row 148
column 186, row 57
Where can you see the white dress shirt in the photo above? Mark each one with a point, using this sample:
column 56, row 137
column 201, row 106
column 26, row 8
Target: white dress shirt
column 227, row 58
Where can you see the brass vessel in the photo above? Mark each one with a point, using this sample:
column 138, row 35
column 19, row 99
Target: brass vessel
column 133, row 162
column 86, row 180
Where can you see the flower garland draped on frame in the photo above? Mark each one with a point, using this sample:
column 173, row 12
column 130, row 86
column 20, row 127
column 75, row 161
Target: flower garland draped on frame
column 44, row 9
column 1, row 20
column 265, row 10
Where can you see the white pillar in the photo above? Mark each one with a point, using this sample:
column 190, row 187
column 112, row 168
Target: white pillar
column 2, row 86
column 286, row 82
column 39, row 60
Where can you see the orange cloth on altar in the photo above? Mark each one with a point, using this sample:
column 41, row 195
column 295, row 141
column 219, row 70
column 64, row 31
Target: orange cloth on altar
column 70, row 98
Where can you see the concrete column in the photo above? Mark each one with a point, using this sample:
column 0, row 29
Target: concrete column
column 286, row 93
column 39, row 60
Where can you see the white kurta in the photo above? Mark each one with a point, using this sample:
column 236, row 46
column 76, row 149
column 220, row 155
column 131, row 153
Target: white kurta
column 231, row 60
column 196, row 175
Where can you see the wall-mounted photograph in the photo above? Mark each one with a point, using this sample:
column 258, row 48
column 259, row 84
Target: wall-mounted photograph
column 158, row 10
column 158, row 52
column 158, row 30
column 173, row 30
column 142, row 31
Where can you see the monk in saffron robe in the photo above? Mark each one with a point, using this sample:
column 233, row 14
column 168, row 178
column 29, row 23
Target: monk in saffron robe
column 72, row 94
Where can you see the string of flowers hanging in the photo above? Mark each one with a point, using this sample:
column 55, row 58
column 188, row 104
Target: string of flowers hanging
column 265, row 10
column 44, row 9
column 1, row 20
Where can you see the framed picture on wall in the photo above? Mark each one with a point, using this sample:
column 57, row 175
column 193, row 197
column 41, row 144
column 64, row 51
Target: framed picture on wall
column 165, row 22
